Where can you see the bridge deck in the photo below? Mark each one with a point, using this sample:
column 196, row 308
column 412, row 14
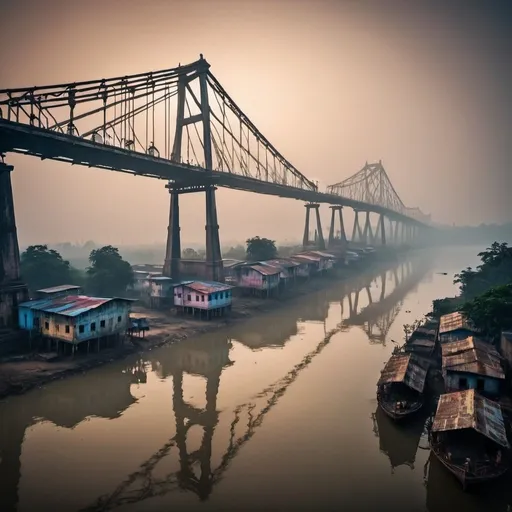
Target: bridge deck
column 46, row 144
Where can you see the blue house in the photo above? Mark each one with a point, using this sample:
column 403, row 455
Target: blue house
column 205, row 298
column 74, row 319
column 455, row 326
column 472, row 364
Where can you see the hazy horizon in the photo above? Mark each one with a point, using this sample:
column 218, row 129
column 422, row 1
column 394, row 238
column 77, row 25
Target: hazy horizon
column 424, row 87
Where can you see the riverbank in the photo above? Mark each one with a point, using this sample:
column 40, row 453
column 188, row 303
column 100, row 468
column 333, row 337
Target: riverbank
column 20, row 374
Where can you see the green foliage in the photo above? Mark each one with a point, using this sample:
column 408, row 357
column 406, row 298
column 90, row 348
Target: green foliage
column 235, row 253
column 108, row 273
column 190, row 254
column 492, row 311
column 445, row 306
column 42, row 267
column 495, row 270
column 259, row 249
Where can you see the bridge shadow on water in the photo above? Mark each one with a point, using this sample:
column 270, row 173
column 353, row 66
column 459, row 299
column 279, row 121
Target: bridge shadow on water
column 370, row 302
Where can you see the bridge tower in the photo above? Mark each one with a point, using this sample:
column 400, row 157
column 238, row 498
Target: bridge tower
column 12, row 289
column 335, row 242
column 357, row 233
column 306, row 242
column 173, row 265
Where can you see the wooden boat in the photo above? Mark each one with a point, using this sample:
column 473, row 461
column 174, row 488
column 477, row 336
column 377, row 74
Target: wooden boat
column 462, row 440
column 400, row 387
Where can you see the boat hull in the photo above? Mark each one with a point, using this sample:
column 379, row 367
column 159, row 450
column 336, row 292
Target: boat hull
column 462, row 475
column 395, row 414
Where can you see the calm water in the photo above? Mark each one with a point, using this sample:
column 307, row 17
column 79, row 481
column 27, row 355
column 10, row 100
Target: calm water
column 278, row 413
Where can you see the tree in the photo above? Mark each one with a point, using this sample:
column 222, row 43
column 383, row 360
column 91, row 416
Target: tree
column 492, row 311
column 495, row 270
column 190, row 254
column 42, row 267
column 236, row 253
column 108, row 274
column 260, row 249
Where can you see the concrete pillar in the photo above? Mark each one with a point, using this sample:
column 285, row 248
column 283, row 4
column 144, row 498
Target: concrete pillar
column 357, row 233
column 173, row 247
column 333, row 240
column 367, row 232
column 12, row 290
column 306, row 242
column 215, row 268
column 382, row 228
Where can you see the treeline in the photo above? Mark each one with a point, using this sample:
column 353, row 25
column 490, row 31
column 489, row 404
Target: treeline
column 485, row 292
column 108, row 274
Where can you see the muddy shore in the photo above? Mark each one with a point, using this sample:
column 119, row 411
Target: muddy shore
column 19, row 375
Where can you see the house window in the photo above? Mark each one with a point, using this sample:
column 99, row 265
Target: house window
column 463, row 383
column 102, row 323
column 480, row 385
column 202, row 298
column 93, row 326
column 67, row 329
column 47, row 326
column 179, row 295
column 57, row 327
column 81, row 329
column 197, row 298
column 189, row 297
column 119, row 318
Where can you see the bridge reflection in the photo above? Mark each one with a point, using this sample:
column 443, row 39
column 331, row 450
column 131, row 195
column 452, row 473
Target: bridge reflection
column 106, row 393
column 66, row 404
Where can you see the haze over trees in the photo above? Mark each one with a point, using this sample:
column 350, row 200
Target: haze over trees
column 260, row 249
column 42, row 267
column 108, row 274
column 485, row 292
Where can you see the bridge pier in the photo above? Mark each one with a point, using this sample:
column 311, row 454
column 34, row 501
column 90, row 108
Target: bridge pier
column 382, row 229
column 319, row 243
column 12, row 290
column 172, row 263
column 367, row 231
column 333, row 240
column 357, row 233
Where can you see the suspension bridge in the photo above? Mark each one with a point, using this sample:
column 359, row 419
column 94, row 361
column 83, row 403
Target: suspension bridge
column 180, row 125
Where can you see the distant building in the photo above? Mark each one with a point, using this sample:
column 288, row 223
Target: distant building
column 204, row 298
column 58, row 291
column 455, row 326
column 506, row 347
column 74, row 319
column 472, row 364
column 160, row 291
column 261, row 278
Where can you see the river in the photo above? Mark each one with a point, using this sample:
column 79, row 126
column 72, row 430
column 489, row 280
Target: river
column 277, row 413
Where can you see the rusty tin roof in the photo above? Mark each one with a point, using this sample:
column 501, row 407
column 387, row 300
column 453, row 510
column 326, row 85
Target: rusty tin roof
column 404, row 368
column 206, row 287
column 266, row 270
column 468, row 409
column 453, row 322
column 472, row 355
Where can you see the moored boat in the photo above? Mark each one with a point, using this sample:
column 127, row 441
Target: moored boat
column 401, row 386
column 468, row 437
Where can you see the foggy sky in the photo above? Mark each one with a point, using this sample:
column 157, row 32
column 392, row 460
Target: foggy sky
column 423, row 86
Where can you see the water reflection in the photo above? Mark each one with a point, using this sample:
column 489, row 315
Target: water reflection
column 400, row 442
column 371, row 302
column 444, row 493
column 105, row 395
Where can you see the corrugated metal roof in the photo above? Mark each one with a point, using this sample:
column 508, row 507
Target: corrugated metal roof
column 206, row 287
column 160, row 278
column 72, row 305
column 308, row 256
column 282, row 270
column 453, row 322
column 479, row 362
column 266, row 270
column 404, row 368
column 60, row 288
column 305, row 259
column 468, row 409
column 469, row 343
column 322, row 254
column 287, row 263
